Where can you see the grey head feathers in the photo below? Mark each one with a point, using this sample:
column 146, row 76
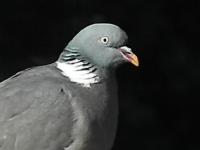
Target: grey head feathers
column 93, row 52
column 88, row 43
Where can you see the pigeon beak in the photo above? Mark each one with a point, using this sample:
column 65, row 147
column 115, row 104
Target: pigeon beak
column 129, row 55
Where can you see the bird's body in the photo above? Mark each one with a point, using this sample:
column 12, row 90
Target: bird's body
column 48, row 108
column 43, row 120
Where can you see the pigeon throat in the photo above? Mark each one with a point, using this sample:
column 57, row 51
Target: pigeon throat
column 77, row 69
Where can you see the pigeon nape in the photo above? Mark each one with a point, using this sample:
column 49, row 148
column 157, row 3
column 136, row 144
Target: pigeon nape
column 70, row 104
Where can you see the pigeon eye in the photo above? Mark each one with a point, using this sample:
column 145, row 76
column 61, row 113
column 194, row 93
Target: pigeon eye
column 104, row 40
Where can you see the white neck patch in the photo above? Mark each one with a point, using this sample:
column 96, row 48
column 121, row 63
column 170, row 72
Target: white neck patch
column 78, row 73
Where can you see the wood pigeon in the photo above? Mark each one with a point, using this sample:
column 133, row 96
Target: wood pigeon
column 70, row 104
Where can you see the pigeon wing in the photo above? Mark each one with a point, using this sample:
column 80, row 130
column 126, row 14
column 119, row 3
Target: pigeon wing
column 35, row 111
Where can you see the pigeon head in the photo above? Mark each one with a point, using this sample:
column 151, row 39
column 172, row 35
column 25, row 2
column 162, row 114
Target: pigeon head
column 103, row 45
column 94, row 52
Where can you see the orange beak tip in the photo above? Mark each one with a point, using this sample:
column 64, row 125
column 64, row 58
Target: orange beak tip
column 134, row 60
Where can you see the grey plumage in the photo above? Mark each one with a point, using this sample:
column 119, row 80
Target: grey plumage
column 43, row 109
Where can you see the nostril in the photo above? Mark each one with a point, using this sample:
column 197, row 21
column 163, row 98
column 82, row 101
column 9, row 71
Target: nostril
column 125, row 49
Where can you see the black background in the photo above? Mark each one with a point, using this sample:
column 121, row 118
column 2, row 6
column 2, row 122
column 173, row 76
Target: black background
column 159, row 101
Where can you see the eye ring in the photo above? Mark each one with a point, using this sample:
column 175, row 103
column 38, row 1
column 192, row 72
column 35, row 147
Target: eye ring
column 104, row 40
